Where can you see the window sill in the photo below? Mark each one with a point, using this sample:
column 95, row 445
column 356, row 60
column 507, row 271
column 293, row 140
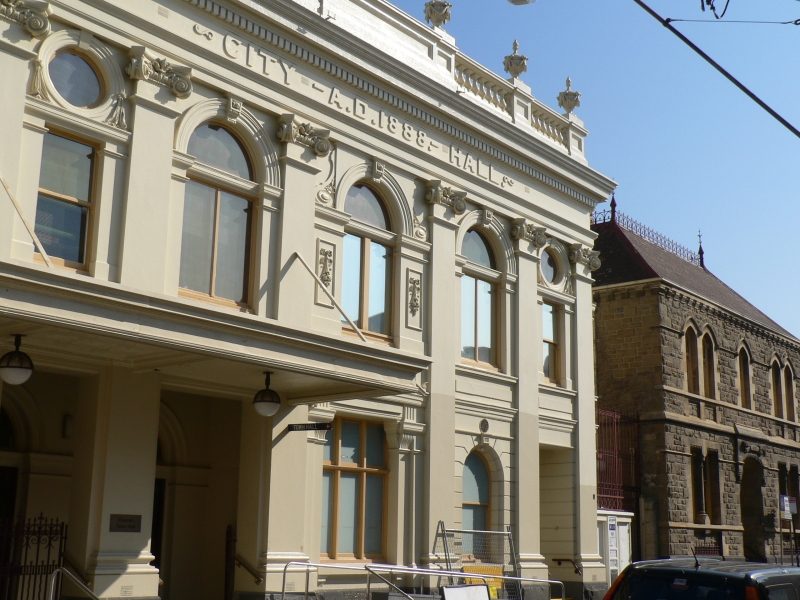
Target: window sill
column 487, row 371
column 374, row 338
column 60, row 263
column 554, row 388
column 192, row 295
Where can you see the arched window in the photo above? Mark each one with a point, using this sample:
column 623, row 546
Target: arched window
column 217, row 217
column 692, row 368
column 777, row 393
column 744, row 379
column 367, row 263
column 788, row 379
column 7, row 436
column 477, row 302
column 709, row 382
column 475, row 495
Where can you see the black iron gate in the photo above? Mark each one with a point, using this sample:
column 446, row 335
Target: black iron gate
column 29, row 552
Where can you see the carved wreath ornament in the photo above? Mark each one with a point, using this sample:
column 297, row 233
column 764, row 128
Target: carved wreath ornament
column 33, row 15
column 414, row 289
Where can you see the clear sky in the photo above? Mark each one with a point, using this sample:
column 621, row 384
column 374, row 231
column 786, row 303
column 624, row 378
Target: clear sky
column 688, row 149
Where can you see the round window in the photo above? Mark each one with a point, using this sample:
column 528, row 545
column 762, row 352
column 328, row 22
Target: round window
column 549, row 267
column 75, row 79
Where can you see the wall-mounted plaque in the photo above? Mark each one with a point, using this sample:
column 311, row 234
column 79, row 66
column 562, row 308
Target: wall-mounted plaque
column 126, row 523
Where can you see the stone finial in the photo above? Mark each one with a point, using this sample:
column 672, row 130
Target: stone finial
column 515, row 64
column 700, row 251
column 437, row 12
column 569, row 99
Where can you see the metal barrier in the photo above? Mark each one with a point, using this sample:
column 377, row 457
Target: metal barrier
column 376, row 570
column 51, row 594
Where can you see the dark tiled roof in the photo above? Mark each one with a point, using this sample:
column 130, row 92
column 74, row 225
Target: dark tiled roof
column 628, row 257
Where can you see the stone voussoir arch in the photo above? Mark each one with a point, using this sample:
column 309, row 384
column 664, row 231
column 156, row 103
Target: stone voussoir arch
column 250, row 130
column 387, row 187
column 495, row 234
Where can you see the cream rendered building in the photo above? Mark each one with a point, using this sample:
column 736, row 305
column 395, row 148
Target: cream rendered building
column 176, row 170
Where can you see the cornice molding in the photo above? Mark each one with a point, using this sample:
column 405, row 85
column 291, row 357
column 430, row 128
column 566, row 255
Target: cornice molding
column 308, row 56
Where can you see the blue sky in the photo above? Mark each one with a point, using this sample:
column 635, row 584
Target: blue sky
column 688, row 149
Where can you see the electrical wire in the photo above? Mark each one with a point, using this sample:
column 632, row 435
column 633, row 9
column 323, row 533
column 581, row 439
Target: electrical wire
column 795, row 22
column 719, row 68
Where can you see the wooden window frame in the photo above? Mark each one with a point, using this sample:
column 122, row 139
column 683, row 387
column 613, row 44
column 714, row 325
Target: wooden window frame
column 556, row 368
column 336, row 467
column 745, row 391
column 77, row 267
column 488, row 505
column 493, row 365
column 362, row 318
column 221, row 181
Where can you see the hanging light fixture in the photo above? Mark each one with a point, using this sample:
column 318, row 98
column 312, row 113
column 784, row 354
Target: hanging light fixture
column 267, row 401
column 16, row 367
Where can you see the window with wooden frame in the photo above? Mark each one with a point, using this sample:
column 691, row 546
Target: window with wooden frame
column 354, row 476
column 217, row 219
column 709, row 373
column 550, row 348
column 692, row 366
column 745, row 392
column 478, row 305
column 777, row 393
column 64, row 207
column 367, row 264
column 788, row 392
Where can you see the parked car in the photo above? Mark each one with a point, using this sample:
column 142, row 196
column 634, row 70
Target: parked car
column 690, row 579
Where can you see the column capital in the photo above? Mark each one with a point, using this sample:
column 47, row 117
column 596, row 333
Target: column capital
column 524, row 230
column 146, row 66
column 291, row 131
column 437, row 193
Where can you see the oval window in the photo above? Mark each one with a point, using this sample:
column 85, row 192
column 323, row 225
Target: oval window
column 75, row 79
column 549, row 267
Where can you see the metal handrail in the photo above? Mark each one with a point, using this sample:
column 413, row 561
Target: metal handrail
column 75, row 580
column 375, row 569
column 463, row 575
column 242, row 562
column 330, row 296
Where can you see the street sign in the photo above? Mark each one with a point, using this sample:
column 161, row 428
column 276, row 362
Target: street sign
column 311, row 427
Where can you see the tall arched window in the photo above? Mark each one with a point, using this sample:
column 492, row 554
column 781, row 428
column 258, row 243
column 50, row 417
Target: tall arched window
column 475, row 494
column 367, row 262
column 777, row 393
column 788, row 380
column 477, row 301
column 744, row 379
column 709, row 382
column 692, row 367
column 7, row 437
column 217, row 218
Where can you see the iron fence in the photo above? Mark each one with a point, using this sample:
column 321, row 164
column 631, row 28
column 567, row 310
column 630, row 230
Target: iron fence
column 30, row 551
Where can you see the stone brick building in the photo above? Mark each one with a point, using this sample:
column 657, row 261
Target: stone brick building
column 713, row 381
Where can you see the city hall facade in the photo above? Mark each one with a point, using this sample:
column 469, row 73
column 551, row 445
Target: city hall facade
column 199, row 192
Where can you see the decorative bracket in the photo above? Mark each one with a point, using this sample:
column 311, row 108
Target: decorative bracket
column 33, row 15
column 585, row 256
column 317, row 140
column 234, row 109
column 522, row 230
column 439, row 194
column 117, row 117
column 144, row 65
column 378, row 170
column 487, row 216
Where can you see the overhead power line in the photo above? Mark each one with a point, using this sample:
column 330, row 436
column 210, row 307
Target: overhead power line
column 795, row 22
column 719, row 68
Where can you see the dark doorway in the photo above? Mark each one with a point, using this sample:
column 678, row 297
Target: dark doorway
column 8, row 492
column 752, row 504
column 157, row 532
